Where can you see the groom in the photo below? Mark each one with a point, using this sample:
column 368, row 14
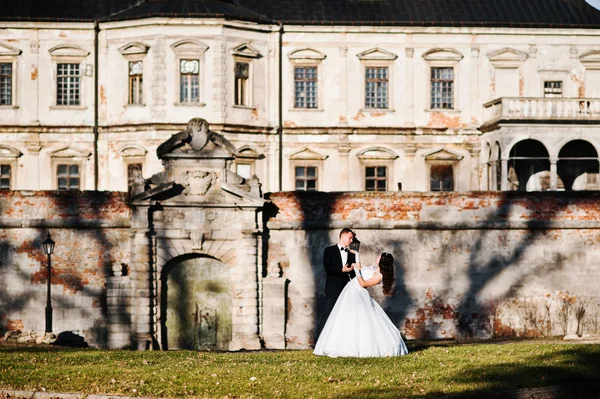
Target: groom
column 338, row 262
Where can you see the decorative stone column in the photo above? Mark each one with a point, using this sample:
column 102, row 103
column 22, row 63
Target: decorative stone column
column 410, row 98
column 273, row 308
column 343, row 77
column 504, row 181
column 476, row 167
column 344, row 154
column 245, row 300
column 409, row 176
column 118, row 301
column 553, row 175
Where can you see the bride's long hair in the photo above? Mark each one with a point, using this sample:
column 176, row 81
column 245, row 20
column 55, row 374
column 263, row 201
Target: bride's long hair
column 386, row 267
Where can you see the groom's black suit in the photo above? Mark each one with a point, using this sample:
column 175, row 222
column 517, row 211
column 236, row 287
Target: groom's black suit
column 336, row 279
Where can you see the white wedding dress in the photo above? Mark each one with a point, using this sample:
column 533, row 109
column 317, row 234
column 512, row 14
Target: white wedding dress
column 358, row 326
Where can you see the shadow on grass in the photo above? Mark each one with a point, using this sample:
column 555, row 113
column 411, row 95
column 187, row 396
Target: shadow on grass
column 568, row 373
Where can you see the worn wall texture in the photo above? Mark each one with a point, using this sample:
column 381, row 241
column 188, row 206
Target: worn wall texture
column 90, row 231
column 474, row 265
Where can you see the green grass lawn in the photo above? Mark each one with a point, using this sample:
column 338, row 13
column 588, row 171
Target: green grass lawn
column 457, row 370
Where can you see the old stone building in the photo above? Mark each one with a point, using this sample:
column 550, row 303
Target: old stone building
column 333, row 96
column 340, row 97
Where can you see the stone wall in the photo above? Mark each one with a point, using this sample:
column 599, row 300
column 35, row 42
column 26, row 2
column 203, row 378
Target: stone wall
column 91, row 234
column 476, row 265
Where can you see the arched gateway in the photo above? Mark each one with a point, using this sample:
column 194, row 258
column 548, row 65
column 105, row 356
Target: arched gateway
column 196, row 269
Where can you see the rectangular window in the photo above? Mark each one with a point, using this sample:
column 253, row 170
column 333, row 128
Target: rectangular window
column 242, row 74
column 376, row 87
column 134, row 171
column 68, row 84
column 376, row 178
column 305, row 87
column 442, row 88
column 6, row 83
column 68, row 177
column 189, row 81
column 442, row 178
column 136, row 87
column 553, row 89
column 306, row 178
column 4, row 177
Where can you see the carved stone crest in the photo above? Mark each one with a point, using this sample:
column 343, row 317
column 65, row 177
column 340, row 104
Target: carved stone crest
column 198, row 182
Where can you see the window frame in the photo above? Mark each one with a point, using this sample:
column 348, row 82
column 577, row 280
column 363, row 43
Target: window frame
column 443, row 156
column 306, row 178
column 9, row 156
column 378, row 58
column 132, row 154
column 247, row 54
column 443, row 58
column 69, row 156
column 306, row 58
column 376, row 178
column 432, row 164
column 68, row 163
column 9, row 55
column 377, row 156
column 188, row 49
column 69, row 54
column 10, row 175
column 135, row 52
column 442, row 81
column 307, row 158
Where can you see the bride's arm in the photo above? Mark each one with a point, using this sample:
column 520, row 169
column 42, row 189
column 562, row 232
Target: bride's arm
column 370, row 282
column 357, row 265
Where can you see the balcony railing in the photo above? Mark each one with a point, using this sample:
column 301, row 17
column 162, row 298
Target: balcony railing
column 541, row 109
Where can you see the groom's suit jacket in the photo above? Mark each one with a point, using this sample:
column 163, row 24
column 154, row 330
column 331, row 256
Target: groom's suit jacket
column 336, row 279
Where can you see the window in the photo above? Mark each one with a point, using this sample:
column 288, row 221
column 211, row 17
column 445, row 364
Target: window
column 305, row 87
column 4, row 177
column 376, row 87
column 442, row 88
column 553, row 89
column 68, row 81
column 189, row 81
column 376, row 178
column 134, row 172
column 6, row 83
column 136, row 87
column 441, row 178
column 306, row 178
column 67, row 177
column 242, row 75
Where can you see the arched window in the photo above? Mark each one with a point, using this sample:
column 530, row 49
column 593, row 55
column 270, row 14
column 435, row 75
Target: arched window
column 578, row 166
column 528, row 167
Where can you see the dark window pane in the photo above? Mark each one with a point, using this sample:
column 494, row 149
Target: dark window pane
column 370, row 172
column 299, row 172
column 381, row 171
column 311, row 185
column 311, row 171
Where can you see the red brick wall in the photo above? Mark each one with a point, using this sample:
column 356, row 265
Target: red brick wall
column 90, row 232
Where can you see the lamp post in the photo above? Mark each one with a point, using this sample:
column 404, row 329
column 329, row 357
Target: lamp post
column 48, row 245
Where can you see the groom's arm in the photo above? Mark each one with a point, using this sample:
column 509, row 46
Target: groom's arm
column 328, row 262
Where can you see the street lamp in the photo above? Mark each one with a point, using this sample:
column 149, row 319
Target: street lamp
column 48, row 245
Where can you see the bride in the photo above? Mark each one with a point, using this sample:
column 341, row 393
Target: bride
column 358, row 326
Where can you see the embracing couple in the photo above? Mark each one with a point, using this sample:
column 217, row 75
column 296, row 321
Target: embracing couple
column 356, row 326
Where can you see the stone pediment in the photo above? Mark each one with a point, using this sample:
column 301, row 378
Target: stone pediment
column 308, row 154
column 134, row 48
column 507, row 57
column 65, row 50
column 306, row 54
column 377, row 153
column 246, row 152
column 133, row 151
column 442, row 54
column 377, row 54
column 70, row 152
column 8, row 153
column 443, row 155
column 245, row 50
column 591, row 59
column 188, row 46
column 6, row 50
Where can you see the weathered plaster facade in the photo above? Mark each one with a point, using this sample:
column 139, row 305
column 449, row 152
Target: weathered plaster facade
column 340, row 136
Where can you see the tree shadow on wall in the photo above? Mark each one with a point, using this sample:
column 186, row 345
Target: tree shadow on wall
column 490, row 259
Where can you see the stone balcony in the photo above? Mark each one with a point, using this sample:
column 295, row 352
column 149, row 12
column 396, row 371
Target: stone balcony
column 541, row 110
